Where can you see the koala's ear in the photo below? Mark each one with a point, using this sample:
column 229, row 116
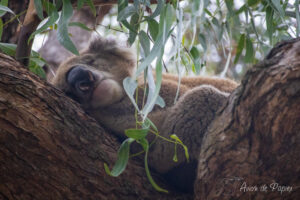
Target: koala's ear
column 99, row 45
column 109, row 47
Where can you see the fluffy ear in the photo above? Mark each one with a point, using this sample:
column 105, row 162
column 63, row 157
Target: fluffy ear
column 109, row 47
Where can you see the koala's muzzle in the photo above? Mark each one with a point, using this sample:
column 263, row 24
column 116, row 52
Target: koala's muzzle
column 81, row 81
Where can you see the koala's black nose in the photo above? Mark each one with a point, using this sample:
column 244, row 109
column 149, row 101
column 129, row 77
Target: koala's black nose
column 81, row 79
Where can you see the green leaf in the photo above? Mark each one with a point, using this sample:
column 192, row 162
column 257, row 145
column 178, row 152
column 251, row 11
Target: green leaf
column 51, row 20
column 4, row 9
column 278, row 7
column 39, row 8
column 240, row 48
column 249, row 51
column 160, row 102
column 145, row 42
column 148, row 123
column 121, row 5
column 80, row 25
column 1, row 28
column 241, row 9
column 123, row 156
column 80, row 3
column 202, row 41
column 137, row 134
column 269, row 21
column 196, row 59
column 229, row 5
column 155, row 51
column 153, row 27
column 253, row 3
column 3, row 3
column 159, row 7
column 186, row 151
column 148, row 171
column 92, row 6
column 134, row 23
column 297, row 17
column 58, row 4
column 62, row 34
column 130, row 86
column 9, row 49
column 126, row 12
column 49, row 7
column 36, row 66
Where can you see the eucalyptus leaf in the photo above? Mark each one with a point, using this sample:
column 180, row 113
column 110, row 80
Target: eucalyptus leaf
column 51, row 20
column 39, row 8
column 3, row 3
column 62, row 34
column 196, row 59
column 123, row 156
column 249, row 51
column 186, row 152
column 1, row 28
column 269, row 21
column 130, row 86
column 92, row 6
column 137, row 134
column 240, row 48
column 80, row 25
column 80, row 3
column 297, row 17
column 146, row 148
column 159, row 7
column 8, row 48
column 278, row 7
column 153, row 28
column 126, row 12
column 4, row 9
column 145, row 42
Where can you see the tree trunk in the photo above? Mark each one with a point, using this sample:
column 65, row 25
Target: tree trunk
column 252, row 149
column 50, row 149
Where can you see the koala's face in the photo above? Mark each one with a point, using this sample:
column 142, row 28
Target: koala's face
column 94, row 78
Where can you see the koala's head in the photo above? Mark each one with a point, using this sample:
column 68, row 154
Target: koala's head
column 94, row 78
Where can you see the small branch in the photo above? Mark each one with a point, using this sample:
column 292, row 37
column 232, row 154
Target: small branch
column 30, row 24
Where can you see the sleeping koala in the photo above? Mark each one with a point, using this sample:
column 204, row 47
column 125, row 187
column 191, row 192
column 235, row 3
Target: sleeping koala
column 94, row 79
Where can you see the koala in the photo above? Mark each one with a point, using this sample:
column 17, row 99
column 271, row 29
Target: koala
column 94, row 79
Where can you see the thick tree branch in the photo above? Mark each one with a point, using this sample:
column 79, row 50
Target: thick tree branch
column 50, row 149
column 255, row 139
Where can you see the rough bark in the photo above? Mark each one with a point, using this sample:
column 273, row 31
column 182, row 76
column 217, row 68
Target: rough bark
column 255, row 139
column 50, row 149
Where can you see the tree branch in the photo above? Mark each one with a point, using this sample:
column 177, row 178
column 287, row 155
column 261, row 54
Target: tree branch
column 51, row 149
column 255, row 139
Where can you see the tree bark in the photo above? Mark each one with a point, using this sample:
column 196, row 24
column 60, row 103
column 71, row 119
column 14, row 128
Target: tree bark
column 251, row 150
column 50, row 149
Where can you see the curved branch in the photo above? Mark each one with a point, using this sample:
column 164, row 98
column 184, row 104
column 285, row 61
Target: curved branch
column 51, row 149
column 253, row 145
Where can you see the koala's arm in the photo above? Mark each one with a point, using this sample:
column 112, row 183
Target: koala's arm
column 121, row 116
column 189, row 120
column 223, row 84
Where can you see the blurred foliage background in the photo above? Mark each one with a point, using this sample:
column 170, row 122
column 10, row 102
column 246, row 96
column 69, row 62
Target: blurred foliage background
column 210, row 37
